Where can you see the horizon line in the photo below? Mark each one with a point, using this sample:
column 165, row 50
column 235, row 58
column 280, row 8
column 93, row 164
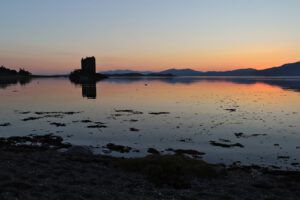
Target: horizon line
column 155, row 71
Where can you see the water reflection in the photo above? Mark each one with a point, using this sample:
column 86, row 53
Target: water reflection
column 261, row 114
column 286, row 83
column 89, row 90
column 6, row 82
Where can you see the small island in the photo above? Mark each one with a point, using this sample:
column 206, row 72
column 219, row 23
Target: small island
column 10, row 76
column 10, row 73
column 87, row 73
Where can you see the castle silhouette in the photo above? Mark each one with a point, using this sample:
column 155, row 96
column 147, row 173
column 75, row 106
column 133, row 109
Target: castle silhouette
column 88, row 65
column 87, row 73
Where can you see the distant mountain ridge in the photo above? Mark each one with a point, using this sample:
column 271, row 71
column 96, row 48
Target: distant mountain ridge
column 125, row 71
column 182, row 72
column 190, row 72
column 291, row 69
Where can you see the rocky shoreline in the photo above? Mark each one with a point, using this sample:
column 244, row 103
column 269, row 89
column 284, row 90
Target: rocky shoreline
column 44, row 167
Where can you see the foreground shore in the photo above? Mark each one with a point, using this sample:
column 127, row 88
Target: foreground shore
column 44, row 171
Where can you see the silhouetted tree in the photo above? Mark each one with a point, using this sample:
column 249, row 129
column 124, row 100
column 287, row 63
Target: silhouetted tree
column 5, row 71
column 23, row 72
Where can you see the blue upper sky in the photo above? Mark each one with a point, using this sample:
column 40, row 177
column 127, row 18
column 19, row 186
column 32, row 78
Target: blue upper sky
column 52, row 36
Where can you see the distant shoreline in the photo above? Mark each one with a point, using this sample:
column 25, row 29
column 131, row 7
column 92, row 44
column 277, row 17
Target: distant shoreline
column 286, row 70
column 151, row 75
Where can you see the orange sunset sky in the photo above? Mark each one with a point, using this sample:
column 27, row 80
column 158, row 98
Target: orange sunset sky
column 51, row 37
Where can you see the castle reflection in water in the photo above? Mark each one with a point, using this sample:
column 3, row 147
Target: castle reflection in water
column 89, row 90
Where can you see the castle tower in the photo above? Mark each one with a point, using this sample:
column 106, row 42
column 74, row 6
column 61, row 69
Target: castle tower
column 88, row 65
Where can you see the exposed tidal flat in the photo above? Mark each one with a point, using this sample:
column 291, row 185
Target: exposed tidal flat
column 44, row 167
column 230, row 137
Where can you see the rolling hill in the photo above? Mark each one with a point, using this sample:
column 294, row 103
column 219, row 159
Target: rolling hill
column 291, row 69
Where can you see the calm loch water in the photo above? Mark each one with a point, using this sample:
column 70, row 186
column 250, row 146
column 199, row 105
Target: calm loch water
column 259, row 117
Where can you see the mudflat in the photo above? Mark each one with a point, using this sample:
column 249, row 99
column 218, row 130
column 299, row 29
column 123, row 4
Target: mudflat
column 44, row 172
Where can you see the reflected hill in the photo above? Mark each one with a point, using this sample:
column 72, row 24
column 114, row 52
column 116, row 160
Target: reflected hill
column 290, row 69
column 286, row 83
column 8, row 81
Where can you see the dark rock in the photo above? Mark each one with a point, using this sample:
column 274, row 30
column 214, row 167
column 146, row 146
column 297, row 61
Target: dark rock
column 153, row 151
column 214, row 143
column 97, row 126
column 257, row 134
column 63, row 113
column 238, row 135
column 242, row 135
column 31, row 118
column 129, row 111
column 134, row 129
column 86, row 121
column 185, row 140
column 159, row 113
column 230, row 109
column 58, row 124
column 5, row 124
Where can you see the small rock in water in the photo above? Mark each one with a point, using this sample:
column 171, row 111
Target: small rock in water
column 159, row 113
column 214, row 143
column 134, row 129
column 242, row 135
column 230, row 109
column 5, row 124
column 86, row 121
column 58, row 124
column 185, row 140
column 31, row 118
column 239, row 134
column 97, row 126
column 129, row 111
